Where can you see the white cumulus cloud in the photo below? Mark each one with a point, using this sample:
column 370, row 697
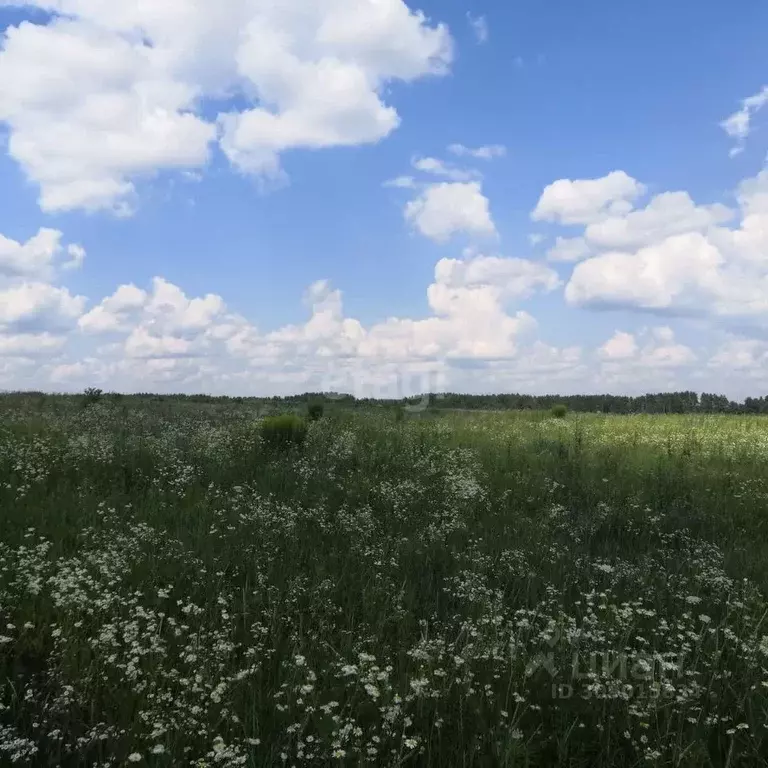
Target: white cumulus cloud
column 679, row 258
column 446, row 209
column 104, row 93
column 667, row 214
column 585, row 201
column 36, row 306
column 621, row 346
column 672, row 274
column 39, row 256
column 162, row 322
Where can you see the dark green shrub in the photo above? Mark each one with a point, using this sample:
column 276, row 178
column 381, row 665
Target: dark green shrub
column 559, row 411
column 283, row 432
column 91, row 396
column 315, row 411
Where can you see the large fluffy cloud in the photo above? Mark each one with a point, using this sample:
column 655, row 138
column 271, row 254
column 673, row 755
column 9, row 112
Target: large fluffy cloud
column 667, row 214
column 89, row 108
column 318, row 68
column 679, row 273
column 469, row 299
column 162, row 322
column 624, row 227
column 107, row 92
column 671, row 256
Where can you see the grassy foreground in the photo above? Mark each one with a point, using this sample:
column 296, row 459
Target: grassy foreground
column 463, row 590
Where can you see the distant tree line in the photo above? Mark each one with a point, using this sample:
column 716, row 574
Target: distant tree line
column 662, row 402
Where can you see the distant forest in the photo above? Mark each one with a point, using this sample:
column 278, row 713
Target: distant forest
column 663, row 402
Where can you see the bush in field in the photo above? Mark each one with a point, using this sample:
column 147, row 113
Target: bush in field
column 559, row 411
column 315, row 411
column 284, row 431
column 91, row 396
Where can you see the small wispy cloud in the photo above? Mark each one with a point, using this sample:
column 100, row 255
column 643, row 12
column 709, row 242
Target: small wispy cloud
column 738, row 125
column 401, row 182
column 445, row 170
column 479, row 26
column 488, row 152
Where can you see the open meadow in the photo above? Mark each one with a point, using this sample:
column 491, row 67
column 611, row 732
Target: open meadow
column 452, row 589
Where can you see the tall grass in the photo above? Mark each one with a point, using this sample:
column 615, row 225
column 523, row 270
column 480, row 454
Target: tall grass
column 443, row 590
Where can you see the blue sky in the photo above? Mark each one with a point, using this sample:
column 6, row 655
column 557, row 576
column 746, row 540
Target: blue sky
column 244, row 200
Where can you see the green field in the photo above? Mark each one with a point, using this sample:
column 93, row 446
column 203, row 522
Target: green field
column 452, row 589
